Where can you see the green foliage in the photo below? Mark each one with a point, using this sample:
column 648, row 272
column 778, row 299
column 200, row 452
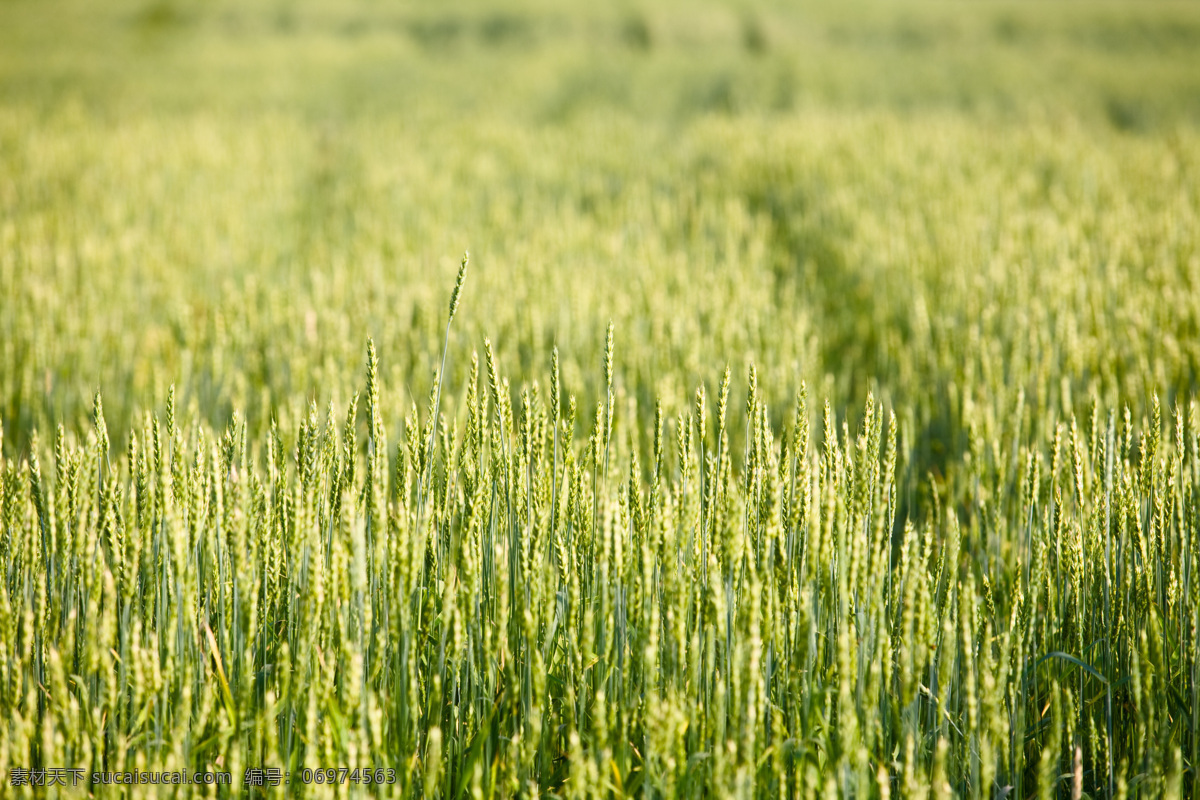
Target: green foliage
column 815, row 417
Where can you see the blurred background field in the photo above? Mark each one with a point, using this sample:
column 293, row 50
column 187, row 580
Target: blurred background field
column 231, row 197
column 1128, row 64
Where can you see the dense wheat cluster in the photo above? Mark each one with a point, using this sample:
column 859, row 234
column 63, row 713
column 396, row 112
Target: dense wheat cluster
column 815, row 414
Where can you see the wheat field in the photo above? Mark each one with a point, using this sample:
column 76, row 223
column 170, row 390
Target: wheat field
column 815, row 413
